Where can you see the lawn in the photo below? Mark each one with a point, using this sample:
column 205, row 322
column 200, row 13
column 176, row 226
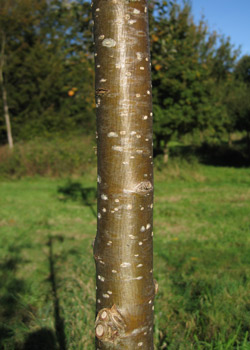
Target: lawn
column 201, row 261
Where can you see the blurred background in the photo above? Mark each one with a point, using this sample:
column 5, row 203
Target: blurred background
column 201, row 86
column 200, row 76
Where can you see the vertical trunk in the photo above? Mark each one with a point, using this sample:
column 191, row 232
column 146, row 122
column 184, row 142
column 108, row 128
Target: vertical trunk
column 230, row 141
column 7, row 117
column 248, row 141
column 165, row 153
column 123, row 245
column 4, row 95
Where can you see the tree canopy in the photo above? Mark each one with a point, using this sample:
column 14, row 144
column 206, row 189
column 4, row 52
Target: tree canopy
column 189, row 65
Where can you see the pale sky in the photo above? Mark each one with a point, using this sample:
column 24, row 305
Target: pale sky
column 228, row 17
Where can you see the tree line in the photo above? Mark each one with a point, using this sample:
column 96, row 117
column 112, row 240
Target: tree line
column 47, row 72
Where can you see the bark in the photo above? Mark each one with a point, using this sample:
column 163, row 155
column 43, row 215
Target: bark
column 230, row 140
column 123, row 248
column 248, row 141
column 4, row 95
column 165, row 154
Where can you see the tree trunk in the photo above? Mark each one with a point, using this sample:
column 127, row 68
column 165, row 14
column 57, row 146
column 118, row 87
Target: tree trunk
column 230, row 141
column 123, row 247
column 248, row 141
column 4, row 95
column 165, row 153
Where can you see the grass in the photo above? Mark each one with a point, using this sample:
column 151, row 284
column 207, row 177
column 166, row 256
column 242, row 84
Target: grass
column 201, row 259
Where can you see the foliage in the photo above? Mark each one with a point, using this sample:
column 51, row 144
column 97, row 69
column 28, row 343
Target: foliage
column 188, row 64
column 237, row 97
column 57, row 156
column 239, row 106
column 242, row 70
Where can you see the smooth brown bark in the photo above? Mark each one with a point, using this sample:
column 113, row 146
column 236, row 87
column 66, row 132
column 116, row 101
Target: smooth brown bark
column 123, row 248
column 4, row 95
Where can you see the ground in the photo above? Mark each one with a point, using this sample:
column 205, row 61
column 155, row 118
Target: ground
column 201, row 260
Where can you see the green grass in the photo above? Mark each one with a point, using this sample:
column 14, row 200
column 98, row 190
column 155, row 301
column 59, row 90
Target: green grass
column 201, row 259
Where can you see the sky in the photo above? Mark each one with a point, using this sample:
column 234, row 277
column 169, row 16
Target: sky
column 228, row 17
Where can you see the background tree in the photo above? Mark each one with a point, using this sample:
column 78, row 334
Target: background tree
column 46, row 61
column 238, row 99
column 188, row 64
column 242, row 70
column 15, row 18
column 4, row 92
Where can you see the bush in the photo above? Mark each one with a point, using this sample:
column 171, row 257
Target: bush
column 60, row 156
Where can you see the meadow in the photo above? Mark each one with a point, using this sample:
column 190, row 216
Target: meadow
column 201, row 259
